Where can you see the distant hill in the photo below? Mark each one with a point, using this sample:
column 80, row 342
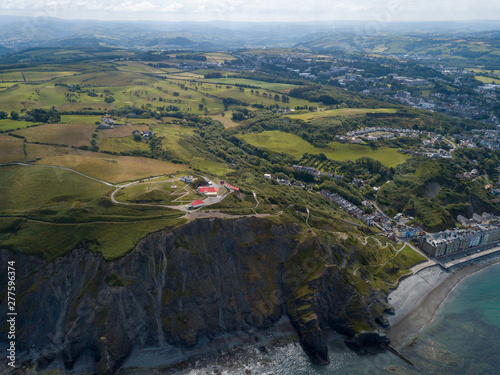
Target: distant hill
column 21, row 33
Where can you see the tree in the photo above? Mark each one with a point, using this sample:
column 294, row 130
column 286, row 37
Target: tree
column 238, row 116
column 3, row 114
column 14, row 115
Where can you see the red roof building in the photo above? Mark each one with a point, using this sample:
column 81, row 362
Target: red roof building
column 208, row 190
column 232, row 187
column 196, row 204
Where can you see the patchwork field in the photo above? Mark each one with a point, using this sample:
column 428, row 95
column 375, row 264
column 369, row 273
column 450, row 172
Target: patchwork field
column 291, row 144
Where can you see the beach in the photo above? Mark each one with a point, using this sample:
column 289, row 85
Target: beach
column 418, row 297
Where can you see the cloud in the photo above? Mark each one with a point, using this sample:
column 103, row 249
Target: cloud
column 260, row 10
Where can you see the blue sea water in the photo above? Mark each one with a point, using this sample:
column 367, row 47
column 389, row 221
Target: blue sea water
column 462, row 339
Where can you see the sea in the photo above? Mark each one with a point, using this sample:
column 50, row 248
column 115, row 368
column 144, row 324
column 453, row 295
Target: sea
column 463, row 339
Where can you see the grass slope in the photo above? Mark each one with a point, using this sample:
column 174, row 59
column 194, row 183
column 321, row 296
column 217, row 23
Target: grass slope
column 340, row 112
column 291, row 144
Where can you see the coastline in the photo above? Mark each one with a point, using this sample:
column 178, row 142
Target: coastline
column 418, row 297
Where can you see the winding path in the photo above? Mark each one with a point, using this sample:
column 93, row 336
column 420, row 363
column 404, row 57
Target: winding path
column 118, row 187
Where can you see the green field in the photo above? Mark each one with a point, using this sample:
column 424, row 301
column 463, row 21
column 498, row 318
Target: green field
column 226, row 120
column 291, row 144
column 11, row 149
column 112, row 240
column 250, row 82
column 11, row 77
column 137, row 67
column 45, row 75
column 8, row 124
column 109, row 168
column 51, row 187
column 80, row 119
column 162, row 193
column 218, row 57
column 68, row 210
column 61, row 134
column 122, row 144
column 484, row 79
column 340, row 112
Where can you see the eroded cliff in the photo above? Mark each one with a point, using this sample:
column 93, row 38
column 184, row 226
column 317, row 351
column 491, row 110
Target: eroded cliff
column 199, row 281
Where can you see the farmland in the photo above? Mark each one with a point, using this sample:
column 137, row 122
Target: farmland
column 122, row 144
column 291, row 144
column 62, row 134
column 11, row 149
column 8, row 124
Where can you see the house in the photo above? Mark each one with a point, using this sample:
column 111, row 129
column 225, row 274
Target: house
column 104, row 125
column 210, row 191
column 367, row 204
column 186, row 179
column 108, row 120
column 267, row 175
column 196, row 204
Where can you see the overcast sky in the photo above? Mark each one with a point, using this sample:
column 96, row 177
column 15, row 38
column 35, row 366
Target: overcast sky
column 257, row 10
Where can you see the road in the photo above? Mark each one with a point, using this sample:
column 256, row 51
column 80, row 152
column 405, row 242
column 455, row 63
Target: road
column 457, row 258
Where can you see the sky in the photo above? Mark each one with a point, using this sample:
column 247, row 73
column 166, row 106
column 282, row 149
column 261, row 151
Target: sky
column 257, row 10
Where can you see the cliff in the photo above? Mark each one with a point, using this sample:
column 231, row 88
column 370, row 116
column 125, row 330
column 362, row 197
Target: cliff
column 186, row 286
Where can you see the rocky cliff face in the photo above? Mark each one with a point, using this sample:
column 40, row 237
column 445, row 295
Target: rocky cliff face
column 185, row 286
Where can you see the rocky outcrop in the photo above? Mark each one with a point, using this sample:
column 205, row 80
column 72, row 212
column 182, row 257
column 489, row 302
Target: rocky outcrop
column 368, row 342
column 186, row 286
